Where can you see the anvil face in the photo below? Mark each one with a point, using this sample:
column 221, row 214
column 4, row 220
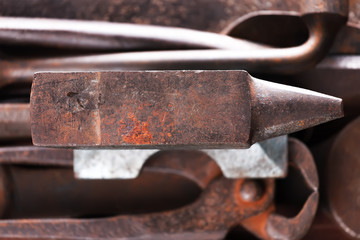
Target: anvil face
column 146, row 109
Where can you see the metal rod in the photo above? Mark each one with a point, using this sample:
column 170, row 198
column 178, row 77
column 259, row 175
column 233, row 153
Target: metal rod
column 322, row 29
column 107, row 36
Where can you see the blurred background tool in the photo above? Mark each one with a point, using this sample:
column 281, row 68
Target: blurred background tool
column 241, row 201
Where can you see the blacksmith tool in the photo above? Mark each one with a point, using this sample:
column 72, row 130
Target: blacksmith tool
column 264, row 160
column 209, row 15
column 106, row 36
column 224, row 203
column 268, row 158
column 169, row 109
column 229, row 52
column 14, row 121
column 39, row 182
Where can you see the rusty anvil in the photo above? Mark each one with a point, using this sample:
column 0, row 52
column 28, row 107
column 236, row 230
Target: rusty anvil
column 169, row 109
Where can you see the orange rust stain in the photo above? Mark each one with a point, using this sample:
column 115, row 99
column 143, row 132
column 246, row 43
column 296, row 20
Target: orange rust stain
column 139, row 132
column 164, row 125
column 67, row 128
column 301, row 124
column 257, row 223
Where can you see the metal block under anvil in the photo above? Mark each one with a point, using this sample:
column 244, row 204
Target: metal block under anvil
column 266, row 159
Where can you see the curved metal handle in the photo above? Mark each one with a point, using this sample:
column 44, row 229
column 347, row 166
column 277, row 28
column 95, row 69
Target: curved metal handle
column 269, row 225
column 219, row 207
column 279, row 227
column 322, row 27
column 108, row 36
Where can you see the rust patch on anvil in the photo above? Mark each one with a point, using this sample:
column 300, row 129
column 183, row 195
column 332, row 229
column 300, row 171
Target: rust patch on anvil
column 134, row 131
column 143, row 109
column 71, row 114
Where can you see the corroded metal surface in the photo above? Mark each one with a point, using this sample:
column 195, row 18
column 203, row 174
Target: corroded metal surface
column 36, row 156
column 280, row 109
column 322, row 30
column 279, row 227
column 337, row 76
column 158, row 109
column 222, row 204
column 343, row 179
column 14, row 121
column 271, row 225
column 208, row 15
column 169, row 109
column 38, row 182
column 50, row 190
column 195, row 220
column 105, row 36
column 347, row 40
column 198, row 220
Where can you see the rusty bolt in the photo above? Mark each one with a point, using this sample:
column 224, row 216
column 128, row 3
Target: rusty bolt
column 251, row 190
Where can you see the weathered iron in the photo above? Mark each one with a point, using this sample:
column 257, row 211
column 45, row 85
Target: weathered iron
column 106, row 36
column 282, row 228
column 14, row 121
column 224, row 13
column 337, row 76
column 35, row 183
column 343, row 179
column 206, row 15
column 169, row 109
column 38, row 182
column 223, row 204
column 264, row 159
column 268, row 159
column 255, row 58
column 347, row 40
column 36, row 156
